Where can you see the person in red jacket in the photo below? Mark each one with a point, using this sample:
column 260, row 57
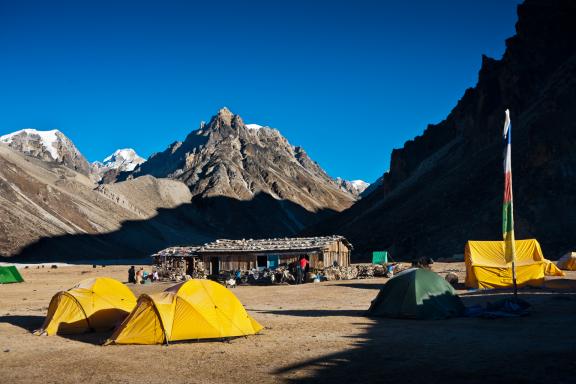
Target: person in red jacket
column 301, row 269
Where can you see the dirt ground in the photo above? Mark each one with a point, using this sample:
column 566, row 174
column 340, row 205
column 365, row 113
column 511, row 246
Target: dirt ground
column 314, row 333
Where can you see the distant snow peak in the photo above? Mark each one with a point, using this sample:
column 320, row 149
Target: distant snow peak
column 355, row 187
column 124, row 154
column 47, row 138
column 360, row 184
column 125, row 159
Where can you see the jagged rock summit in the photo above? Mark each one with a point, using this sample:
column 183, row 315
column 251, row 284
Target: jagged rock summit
column 228, row 158
column 52, row 146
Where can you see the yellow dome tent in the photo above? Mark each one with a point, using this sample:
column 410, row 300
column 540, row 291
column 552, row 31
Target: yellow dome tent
column 486, row 266
column 193, row 310
column 95, row 304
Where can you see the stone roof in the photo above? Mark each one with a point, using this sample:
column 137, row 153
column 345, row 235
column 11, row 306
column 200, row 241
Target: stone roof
column 178, row 251
column 256, row 245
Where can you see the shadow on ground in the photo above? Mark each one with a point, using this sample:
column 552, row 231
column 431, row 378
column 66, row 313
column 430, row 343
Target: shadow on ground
column 314, row 312
column 31, row 323
column 533, row 349
column 27, row 322
column 94, row 338
column 362, row 286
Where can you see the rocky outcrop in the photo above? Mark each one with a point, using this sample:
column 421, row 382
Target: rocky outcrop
column 445, row 186
column 52, row 146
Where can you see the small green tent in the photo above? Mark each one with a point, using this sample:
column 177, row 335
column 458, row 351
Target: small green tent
column 417, row 294
column 10, row 275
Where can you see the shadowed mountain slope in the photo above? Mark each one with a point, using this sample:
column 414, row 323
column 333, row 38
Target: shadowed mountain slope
column 446, row 186
column 50, row 212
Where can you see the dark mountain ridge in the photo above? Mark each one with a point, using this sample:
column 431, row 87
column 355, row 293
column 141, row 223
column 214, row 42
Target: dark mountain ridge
column 445, row 186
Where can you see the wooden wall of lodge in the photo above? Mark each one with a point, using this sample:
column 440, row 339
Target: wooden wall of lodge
column 229, row 261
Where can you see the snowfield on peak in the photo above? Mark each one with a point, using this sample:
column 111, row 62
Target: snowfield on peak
column 355, row 187
column 360, row 183
column 127, row 159
column 253, row 126
column 122, row 160
column 48, row 138
column 52, row 146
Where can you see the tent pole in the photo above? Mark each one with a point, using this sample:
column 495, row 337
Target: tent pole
column 514, row 279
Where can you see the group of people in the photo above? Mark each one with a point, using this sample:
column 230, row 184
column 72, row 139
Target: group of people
column 140, row 276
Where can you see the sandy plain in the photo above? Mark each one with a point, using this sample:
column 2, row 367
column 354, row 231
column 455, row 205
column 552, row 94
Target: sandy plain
column 313, row 333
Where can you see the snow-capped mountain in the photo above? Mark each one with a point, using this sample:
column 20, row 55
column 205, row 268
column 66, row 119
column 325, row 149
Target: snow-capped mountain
column 355, row 187
column 125, row 159
column 51, row 146
column 122, row 160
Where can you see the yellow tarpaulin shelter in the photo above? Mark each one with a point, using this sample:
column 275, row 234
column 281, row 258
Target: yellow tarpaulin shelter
column 95, row 304
column 486, row 266
column 567, row 262
column 193, row 310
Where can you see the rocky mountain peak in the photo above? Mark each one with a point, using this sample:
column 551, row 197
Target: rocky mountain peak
column 41, row 144
column 223, row 117
column 224, row 111
column 221, row 125
column 50, row 146
column 226, row 157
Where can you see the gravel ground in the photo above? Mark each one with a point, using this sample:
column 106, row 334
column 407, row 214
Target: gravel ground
column 314, row 333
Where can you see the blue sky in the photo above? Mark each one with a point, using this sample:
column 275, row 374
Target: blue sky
column 347, row 80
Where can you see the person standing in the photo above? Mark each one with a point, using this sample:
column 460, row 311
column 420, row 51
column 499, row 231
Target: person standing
column 132, row 275
column 298, row 273
column 139, row 276
column 302, row 268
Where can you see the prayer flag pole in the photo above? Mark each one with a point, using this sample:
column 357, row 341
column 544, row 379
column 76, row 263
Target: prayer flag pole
column 508, row 206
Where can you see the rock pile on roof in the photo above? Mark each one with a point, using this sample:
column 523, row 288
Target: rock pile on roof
column 247, row 245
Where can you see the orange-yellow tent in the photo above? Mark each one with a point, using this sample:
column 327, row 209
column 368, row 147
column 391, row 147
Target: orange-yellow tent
column 486, row 266
column 95, row 304
column 193, row 310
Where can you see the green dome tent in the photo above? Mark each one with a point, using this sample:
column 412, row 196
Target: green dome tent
column 417, row 294
column 9, row 275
